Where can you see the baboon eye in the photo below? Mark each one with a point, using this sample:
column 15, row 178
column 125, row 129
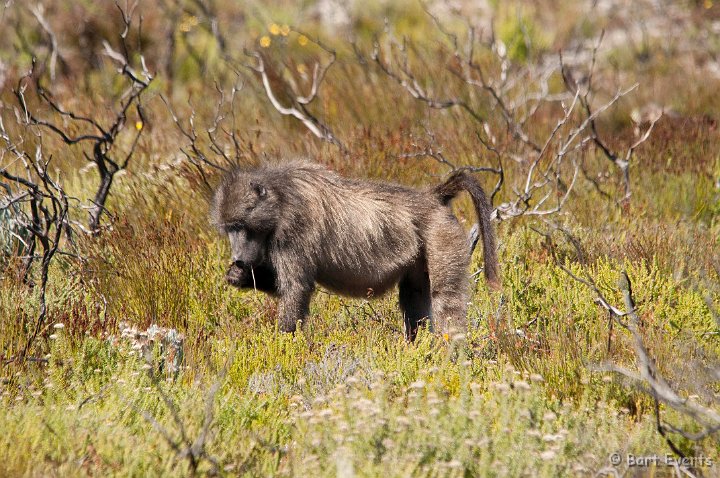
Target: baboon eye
column 235, row 227
column 259, row 190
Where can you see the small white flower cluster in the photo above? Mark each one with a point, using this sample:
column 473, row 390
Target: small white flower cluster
column 58, row 327
column 143, row 342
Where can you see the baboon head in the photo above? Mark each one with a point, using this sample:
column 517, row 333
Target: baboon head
column 245, row 208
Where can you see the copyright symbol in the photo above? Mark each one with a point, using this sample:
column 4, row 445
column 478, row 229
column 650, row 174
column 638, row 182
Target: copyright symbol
column 615, row 459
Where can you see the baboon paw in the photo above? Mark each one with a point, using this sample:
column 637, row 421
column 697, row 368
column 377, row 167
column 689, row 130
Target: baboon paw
column 290, row 326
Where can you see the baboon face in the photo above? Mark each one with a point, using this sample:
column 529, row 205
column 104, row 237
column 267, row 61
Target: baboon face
column 244, row 209
column 247, row 247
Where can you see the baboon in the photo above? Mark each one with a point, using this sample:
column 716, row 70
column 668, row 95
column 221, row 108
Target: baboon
column 297, row 224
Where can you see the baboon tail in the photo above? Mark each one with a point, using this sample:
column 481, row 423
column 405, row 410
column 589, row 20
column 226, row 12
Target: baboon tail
column 464, row 181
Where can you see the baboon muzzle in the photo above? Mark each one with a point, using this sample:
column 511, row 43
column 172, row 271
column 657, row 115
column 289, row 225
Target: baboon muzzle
column 238, row 274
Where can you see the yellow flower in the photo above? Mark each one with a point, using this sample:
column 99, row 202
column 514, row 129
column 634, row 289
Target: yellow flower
column 708, row 4
column 265, row 41
column 302, row 69
column 284, row 30
column 302, row 40
column 446, row 337
column 274, row 29
column 138, row 125
column 188, row 22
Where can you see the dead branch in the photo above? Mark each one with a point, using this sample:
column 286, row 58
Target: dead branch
column 646, row 376
column 38, row 12
column 406, row 78
column 621, row 162
column 101, row 140
column 659, row 387
column 186, row 448
column 46, row 222
column 220, row 138
column 550, row 163
column 207, row 8
column 298, row 107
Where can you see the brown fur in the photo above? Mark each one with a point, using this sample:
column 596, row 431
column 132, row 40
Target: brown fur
column 297, row 224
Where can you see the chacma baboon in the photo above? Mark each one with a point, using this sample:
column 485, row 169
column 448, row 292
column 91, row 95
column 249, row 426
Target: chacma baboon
column 297, row 224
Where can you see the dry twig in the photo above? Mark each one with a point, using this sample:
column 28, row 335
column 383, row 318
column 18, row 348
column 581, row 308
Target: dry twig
column 298, row 107
column 101, row 140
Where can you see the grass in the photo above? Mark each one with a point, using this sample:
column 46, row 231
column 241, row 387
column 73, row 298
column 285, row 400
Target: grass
column 521, row 393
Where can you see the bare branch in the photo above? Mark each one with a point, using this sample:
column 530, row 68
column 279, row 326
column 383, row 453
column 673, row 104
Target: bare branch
column 49, row 206
column 38, row 12
column 297, row 109
column 185, row 448
column 100, row 141
column 552, row 164
column 647, row 376
column 622, row 163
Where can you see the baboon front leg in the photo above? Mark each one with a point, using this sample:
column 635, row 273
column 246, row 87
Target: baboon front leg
column 414, row 291
column 294, row 306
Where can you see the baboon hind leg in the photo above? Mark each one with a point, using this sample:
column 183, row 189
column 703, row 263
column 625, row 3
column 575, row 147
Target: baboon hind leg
column 414, row 291
column 448, row 263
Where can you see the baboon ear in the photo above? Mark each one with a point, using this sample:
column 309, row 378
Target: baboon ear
column 259, row 189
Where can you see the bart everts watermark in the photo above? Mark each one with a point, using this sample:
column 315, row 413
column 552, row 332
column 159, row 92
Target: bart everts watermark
column 668, row 459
